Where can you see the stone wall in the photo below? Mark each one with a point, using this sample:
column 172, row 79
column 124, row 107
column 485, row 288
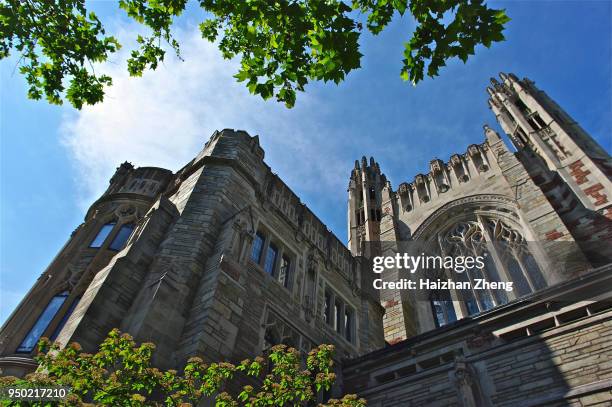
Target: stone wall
column 553, row 348
column 186, row 278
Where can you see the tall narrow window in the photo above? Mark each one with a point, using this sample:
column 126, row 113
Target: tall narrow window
column 284, row 275
column 257, row 247
column 327, row 312
column 310, row 290
column 102, row 235
column 64, row 319
column 271, row 259
column 121, row 237
column 339, row 315
column 43, row 321
column 372, row 193
column 348, row 324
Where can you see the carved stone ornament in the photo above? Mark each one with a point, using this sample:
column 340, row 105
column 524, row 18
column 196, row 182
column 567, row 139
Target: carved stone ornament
column 473, row 150
column 463, row 377
column 125, row 211
column 404, row 188
column 455, row 160
column 436, row 166
column 312, row 261
column 442, row 211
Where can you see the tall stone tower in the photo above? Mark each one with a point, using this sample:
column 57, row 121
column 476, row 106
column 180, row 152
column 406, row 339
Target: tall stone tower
column 549, row 200
column 570, row 167
column 364, row 207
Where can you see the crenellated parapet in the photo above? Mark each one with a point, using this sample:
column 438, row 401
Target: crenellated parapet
column 444, row 177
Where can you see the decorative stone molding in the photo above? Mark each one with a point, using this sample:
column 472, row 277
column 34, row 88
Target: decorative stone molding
column 472, row 199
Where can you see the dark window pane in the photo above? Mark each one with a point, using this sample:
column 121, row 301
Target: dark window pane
column 338, row 313
column 257, row 247
column 64, row 319
column 348, row 325
column 102, row 235
column 283, row 275
column 43, row 321
column 271, row 259
column 472, row 307
column 444, row 312
column 121, row 237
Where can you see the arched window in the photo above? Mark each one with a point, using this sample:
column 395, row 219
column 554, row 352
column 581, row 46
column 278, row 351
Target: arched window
column 489, row 237
column 121, row 237
column 102, row 235
column 31, row 339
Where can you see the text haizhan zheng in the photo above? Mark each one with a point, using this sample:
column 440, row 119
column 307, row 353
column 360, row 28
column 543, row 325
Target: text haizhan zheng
column 412, row 264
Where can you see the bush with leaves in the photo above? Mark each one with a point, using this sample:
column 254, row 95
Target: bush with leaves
column 282, row 44
column 120, row 373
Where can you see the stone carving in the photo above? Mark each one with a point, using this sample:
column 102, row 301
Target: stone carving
column 436, row 166
column 473, row 150
column 404, row 188
column 420, row 179
column 242, row 235
column 497, row 200
column 465, row 382
column 126, row 211
column 490, row 133
column 455, row 160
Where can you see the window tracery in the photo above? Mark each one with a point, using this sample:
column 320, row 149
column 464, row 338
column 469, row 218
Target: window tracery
column 507, row 257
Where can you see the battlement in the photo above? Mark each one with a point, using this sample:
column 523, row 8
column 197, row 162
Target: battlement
column 444, row 176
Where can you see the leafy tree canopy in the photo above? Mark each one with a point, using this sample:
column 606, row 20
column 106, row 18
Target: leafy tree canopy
column 120, row 374
column 282, row 44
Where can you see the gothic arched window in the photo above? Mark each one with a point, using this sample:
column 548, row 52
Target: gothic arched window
column 40, row 326
column 506, row 258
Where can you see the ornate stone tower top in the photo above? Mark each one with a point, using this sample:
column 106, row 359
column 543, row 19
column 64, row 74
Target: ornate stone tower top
column 537, row 125
column 364, row 211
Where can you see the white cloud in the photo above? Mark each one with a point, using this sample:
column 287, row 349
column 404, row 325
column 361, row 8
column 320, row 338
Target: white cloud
column 164, row 118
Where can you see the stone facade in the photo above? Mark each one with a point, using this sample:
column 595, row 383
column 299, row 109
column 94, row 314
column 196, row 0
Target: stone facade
column 548, row 343
column 537, row 197
column 222, row 260
column 552, row 348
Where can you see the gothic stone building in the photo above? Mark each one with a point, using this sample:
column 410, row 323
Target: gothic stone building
column 222, row 260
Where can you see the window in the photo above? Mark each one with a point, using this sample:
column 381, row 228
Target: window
column 372, row 194
column 284, row 275
column 43, row 321
column 506, row 256
column 121, row 237
column 339, row 315
column 102, row 235
column 271, row 259
column 328, row 308
column 444, row 312
column 348, row 324
column 59, row 327
column 258, row 247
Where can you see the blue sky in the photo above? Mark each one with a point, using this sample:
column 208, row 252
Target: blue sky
column 54, row 160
